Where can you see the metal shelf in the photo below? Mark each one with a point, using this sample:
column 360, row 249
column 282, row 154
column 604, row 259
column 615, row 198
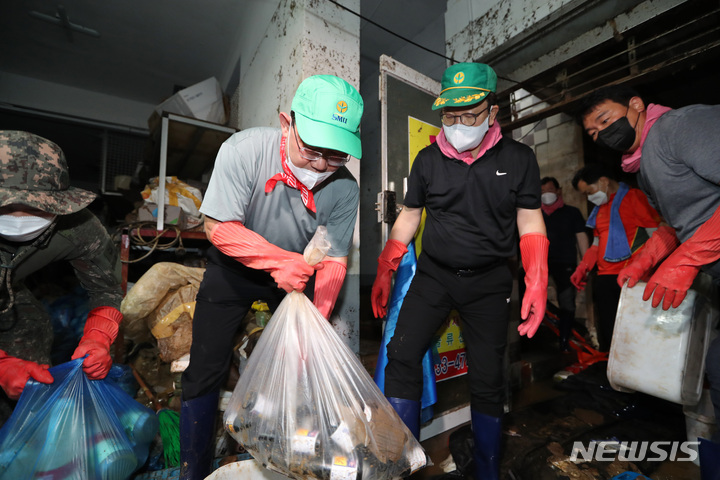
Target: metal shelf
column 188, row 147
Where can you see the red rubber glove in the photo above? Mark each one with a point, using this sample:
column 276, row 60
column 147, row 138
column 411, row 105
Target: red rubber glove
column 289, row 269
column 673, row 278
column 660, row 244
column 388, row 262
column 579, row 277
column 14, row 374
column 101, row 328
column 534, row 253
column 328, row 282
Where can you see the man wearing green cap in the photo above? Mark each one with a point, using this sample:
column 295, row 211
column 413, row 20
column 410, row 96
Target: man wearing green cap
column 44, row 220
column 478, row 189
column 270, row 190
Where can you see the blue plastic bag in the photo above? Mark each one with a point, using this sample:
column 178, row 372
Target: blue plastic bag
column 75, row 428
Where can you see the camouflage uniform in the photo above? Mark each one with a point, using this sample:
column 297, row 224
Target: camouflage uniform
column 30, row 167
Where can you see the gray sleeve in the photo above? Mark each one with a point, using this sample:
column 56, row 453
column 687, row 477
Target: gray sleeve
column 341, row 223
column 231, row 183
column 693, row 140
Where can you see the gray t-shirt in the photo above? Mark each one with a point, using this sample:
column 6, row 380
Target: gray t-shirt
column 236, row 192
column 680, row 168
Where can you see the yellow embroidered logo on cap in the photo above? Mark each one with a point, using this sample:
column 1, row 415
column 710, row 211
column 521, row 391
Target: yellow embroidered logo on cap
column 342, row 106
column 458, row 78
column 469, row 98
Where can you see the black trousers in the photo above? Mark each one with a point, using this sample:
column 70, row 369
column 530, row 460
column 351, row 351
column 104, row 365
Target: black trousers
column 225, row 296
column 606, row 296
column 560, row 273
column 483, row 301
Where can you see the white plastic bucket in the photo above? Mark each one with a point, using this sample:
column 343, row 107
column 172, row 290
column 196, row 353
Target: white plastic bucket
column 662, row 353
column 246, row 470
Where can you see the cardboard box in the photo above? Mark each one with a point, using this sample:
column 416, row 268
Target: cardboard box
column 173, row 215
column 203, row 101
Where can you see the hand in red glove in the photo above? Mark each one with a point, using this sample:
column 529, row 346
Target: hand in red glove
column 14, row 374
column 388, row 262
column 534, row 253
column 673, row 278
column 662, row 242
column 328, row 282
column 670, row 283
column 579, row 277
column 101, row 328
column 289, row 269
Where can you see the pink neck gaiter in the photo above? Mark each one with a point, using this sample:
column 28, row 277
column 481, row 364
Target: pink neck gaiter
column 631, row 161
column 492, row 137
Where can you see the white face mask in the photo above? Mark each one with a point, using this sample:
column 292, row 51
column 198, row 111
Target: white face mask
column 307, row 177
column 548, row 198
column 598, row 198
column 24, row 228
column 465, row 138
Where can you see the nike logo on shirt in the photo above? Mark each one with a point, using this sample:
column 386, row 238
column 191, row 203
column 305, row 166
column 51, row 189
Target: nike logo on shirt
column 498, row 173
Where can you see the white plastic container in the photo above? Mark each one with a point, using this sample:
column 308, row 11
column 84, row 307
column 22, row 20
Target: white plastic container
column 659, row 352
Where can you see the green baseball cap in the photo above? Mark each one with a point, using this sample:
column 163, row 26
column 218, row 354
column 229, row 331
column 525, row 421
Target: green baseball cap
column 465, row 84
column 327, row 113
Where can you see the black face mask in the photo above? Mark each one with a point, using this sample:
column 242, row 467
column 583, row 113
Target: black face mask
column 619, row 135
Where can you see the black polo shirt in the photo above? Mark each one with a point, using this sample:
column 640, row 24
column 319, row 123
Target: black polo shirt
column 471, row 209
column 562, row 226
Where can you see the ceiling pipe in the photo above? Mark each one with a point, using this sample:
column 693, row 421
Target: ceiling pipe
column 61, row 19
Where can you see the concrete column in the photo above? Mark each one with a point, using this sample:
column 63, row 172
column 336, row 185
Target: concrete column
column 304, row 38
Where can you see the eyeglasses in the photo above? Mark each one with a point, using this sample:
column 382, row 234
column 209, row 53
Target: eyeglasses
column 467, row 119
column 313, row 155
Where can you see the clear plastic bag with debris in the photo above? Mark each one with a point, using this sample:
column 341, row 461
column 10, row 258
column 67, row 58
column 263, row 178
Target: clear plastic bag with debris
column 306, row 407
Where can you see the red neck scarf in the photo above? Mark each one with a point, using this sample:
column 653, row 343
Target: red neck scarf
column 287, row 177
column 549, row 209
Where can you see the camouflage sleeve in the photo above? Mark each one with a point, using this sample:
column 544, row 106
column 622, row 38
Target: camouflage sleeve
column 93, row 256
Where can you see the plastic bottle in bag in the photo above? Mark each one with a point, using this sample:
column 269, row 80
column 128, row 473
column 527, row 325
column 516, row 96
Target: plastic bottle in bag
column 59, row 459
column 340, row 467
column 255, row 407
column 113, row 460
column 140, row 426
column 306, row 442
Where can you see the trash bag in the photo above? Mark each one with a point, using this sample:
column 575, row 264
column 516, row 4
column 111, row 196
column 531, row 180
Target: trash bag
column 75, row 428
column 147, row 302
column 307, row 408
column 177, row 193
column 461, row 444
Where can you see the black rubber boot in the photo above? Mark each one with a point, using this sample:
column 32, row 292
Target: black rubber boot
column 197, row 432
column 487, row 433
column 409, row 413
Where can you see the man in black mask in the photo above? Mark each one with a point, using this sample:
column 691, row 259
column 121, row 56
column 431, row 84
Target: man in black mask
column 676, row 154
